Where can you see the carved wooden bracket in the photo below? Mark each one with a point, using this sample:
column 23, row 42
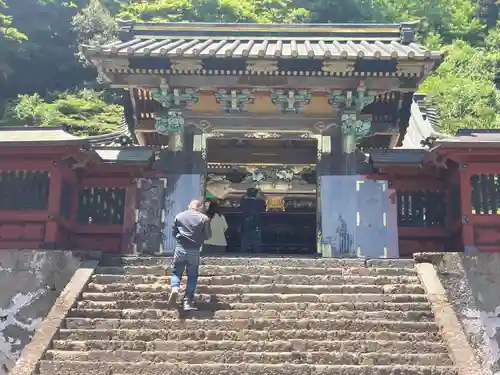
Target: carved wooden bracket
column 235, row 100
column 169, row 98
column 352, row 100
column 352, row 126
column 291, row 101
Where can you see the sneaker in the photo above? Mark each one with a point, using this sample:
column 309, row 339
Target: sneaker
column 174, row 293
column 188, row 306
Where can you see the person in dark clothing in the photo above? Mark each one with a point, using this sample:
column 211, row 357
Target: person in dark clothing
column 190, row 228
column 252, row 207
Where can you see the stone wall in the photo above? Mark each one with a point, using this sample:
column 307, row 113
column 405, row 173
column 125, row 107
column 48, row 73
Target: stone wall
column 472, row 282
column 30, row 283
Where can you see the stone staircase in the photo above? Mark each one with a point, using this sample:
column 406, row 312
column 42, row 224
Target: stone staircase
column 256, row 316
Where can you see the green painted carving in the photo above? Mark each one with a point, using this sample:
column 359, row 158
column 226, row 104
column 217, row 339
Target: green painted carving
column 233, row 101
column 351, row 100
column 163, row 96
column 363, row 100
column 340, row 97
column 169, row 121
column 169, row 98
column 354, row 127
column 291, row 101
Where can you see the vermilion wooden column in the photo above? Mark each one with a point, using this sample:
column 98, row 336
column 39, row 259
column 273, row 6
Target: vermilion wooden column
column 55, row 190
column 466, row 207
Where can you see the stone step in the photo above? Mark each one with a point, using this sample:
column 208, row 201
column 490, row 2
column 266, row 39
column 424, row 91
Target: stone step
column 279, row 306
column 122, row 291
column 109, row 280
column 359, row 346
column 131, row 299
column 264, row 261
column 261, row 270
column 123, row 368
column 241, row 335
column 253, row 324
column 242, row 357
column 415, row 316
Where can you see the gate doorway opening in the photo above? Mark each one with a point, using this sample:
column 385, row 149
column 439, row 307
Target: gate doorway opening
column 284, row 172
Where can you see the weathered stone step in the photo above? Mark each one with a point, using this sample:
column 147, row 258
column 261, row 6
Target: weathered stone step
column 110, row 279
column 132, row 299
column 241, row 335
column 279, row 306
column 260, row 270
column 359, row 346
column 415, row 316
column 264, row 261
column 122, row 368
column 256, row 324
column 224, row 356
column 122, row 291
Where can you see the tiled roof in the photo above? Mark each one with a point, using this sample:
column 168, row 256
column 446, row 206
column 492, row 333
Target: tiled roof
column 479, row 137
column 397, row 156
column 14, row 135
column 204, row 48
column 313, row 41
column 125, row 154
column 419, row 127
column 430, row 113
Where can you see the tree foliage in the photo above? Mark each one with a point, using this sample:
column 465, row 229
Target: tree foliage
column 84, row 111
column 39, row 54
column 464, row 89
column 258, row 11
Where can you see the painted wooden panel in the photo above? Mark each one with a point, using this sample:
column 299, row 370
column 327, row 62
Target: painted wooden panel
column 150, row 198
column 181, row 189
column 355, row 214
column 24, row 231
column 487, row 235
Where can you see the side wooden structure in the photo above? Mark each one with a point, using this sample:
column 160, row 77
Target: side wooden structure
column 60, row 191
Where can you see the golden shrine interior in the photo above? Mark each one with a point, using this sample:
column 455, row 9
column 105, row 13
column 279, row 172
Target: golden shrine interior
column 285, row 173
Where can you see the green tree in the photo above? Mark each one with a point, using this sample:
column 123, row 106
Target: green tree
column 85, row 112
column 259, row 11
column 463, row 88
column 10, row 37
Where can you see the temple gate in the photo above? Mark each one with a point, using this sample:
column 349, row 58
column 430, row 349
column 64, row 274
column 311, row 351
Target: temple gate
column 253, row 98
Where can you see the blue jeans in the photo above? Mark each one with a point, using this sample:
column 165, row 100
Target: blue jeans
column 251, row 240
column 186, row 260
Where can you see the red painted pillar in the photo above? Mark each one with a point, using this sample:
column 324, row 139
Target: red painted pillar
column 466, row 207
column 55, row 190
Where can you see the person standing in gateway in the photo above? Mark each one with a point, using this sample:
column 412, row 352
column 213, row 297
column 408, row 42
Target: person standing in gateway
column 217, row 242
column 190, row 229
column 252, row 206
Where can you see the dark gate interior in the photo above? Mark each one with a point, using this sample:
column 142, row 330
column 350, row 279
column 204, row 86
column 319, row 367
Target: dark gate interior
column 284, row 172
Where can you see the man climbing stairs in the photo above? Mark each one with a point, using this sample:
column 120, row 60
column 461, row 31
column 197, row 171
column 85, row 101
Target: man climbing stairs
column 273, row 316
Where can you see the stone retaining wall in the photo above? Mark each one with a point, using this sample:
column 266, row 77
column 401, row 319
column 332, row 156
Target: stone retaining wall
column 30, row 281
